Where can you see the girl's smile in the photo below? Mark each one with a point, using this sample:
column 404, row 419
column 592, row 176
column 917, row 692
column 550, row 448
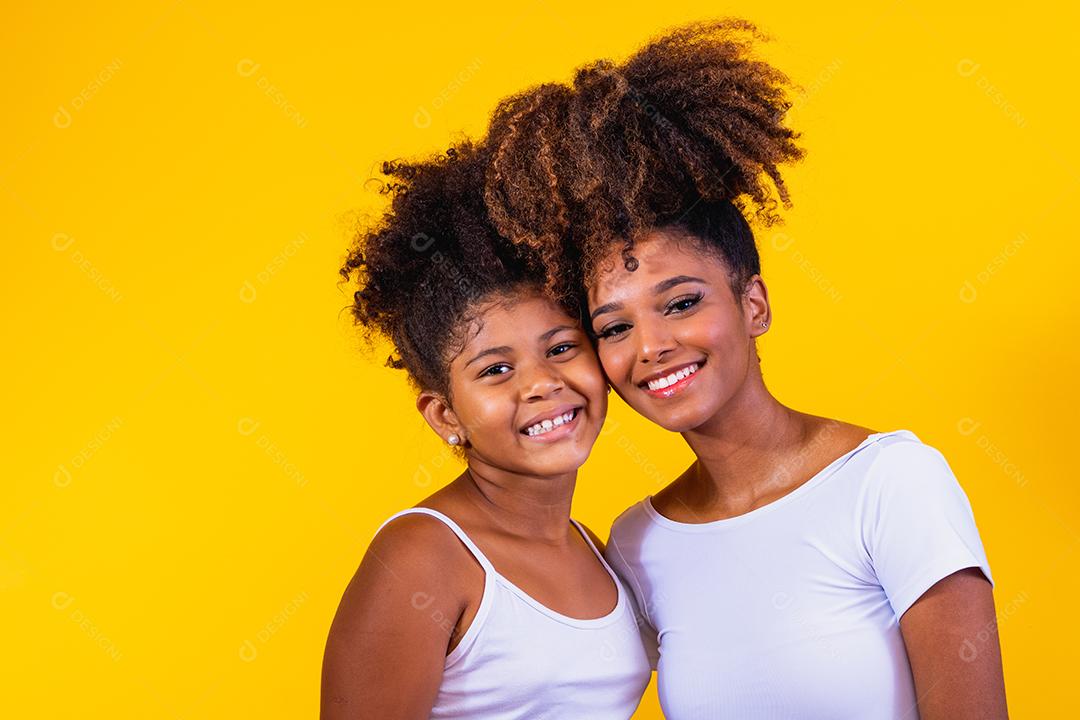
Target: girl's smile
column 553, row 426
column 526, row 390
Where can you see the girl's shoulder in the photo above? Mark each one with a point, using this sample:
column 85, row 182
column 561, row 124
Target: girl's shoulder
column 425, row 536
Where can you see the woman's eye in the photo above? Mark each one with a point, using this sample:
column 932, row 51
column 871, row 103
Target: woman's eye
column 497, row 369
column 683, row 304
column 561, row 348
column 612, row 330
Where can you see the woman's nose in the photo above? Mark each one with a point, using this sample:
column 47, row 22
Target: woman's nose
column 654, row 341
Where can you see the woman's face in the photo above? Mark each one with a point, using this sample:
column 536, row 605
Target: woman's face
column 672, row 339
column 527, row 388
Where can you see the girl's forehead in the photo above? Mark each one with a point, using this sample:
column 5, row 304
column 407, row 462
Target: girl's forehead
column 515, row 320
column 519, row 310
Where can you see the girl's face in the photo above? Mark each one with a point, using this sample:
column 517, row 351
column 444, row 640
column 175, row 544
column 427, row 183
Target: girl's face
column 527, row 388
column 672, row 339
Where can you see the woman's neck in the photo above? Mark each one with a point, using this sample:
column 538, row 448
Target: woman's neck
column 739, row 449
column 532, row 507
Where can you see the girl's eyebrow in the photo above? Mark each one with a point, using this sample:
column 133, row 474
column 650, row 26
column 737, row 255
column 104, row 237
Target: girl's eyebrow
column 501, row 350
column 547, row 336
column 506, row 349
column 661, row 286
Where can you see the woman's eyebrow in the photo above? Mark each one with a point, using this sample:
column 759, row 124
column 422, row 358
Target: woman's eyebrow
column 661, row 286
column 610, row 307
column 671, row 282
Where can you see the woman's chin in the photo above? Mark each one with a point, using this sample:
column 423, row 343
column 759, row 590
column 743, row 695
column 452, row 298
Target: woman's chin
column 678, row 421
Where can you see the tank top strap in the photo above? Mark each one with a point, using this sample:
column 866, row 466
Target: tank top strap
column 489, row 569
column 596, row 550
column 585, row 534
column 600, row 557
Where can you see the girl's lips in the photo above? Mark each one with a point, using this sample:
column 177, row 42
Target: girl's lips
column 675, row 388
column 560, row 432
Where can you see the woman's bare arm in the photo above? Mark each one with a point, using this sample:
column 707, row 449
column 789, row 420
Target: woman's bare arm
column 952, row 645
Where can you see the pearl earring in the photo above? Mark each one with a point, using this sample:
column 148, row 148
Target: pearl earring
column 453, row 439
column 764, row 324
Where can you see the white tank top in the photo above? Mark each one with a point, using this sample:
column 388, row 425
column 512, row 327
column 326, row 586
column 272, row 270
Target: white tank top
column 520, row 659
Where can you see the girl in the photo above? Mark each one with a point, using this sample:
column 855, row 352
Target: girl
column 485, row 600
column 801, row 567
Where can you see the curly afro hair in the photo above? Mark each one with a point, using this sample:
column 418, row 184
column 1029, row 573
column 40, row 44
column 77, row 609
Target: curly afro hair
column 432, row 261
column 687, row 133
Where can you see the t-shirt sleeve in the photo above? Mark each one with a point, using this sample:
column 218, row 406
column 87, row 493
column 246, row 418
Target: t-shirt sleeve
column 918, row 526
column 649, row 636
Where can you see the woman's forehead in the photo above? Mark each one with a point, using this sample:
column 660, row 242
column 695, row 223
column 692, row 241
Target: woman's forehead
column 659, row 254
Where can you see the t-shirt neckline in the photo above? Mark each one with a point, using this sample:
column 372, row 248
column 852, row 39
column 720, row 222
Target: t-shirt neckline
column 814, row 480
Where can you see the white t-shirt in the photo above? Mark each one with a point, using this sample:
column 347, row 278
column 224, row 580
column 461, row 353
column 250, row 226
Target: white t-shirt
column 792, row 609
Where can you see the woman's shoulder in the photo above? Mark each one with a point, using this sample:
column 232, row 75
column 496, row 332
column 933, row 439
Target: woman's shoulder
column 629, row 525
column 900, row 469
column 880, row 449
column 834, row 436
column 901, row 447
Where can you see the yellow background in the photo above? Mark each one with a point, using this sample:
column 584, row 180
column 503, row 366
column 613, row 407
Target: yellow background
column 198, row 447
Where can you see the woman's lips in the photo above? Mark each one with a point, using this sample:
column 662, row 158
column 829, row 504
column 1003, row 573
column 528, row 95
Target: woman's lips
column 679, row 385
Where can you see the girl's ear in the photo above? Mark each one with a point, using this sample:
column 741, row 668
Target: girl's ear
column 755, row 304
column 440, row 416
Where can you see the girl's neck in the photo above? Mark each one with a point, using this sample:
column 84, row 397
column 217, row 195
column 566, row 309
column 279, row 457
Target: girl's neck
column 532, row 507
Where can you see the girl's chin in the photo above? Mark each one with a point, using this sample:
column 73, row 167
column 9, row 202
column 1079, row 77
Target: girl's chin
column 557, row 461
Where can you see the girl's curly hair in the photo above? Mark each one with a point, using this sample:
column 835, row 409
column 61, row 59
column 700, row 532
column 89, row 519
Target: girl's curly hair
column 688, row 132
column 427, row 266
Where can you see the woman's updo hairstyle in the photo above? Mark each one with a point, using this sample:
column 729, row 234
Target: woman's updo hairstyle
column 687, row 133
column 432, row 261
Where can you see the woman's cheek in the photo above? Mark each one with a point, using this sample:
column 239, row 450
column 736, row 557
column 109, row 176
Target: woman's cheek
column 610, row 362
column 592, row 375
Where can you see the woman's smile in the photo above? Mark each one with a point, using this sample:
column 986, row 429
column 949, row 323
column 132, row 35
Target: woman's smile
column 667, row 383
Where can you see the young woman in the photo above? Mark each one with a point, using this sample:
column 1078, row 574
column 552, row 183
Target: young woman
column 801, row 567
column 486, row 600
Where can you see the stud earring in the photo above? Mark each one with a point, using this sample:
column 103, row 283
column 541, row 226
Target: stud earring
column 764, row 324
column 453, row 439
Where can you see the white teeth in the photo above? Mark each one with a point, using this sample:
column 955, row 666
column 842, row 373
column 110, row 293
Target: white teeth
column 661, row 383
column 548, row 425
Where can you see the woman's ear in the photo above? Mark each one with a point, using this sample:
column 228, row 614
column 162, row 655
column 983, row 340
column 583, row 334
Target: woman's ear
column 440, row 416
column 755, row 305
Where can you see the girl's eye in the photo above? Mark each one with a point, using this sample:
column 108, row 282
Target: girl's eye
column 612, row 330
column 561, row 348
column 496, row 369
column 684, row 303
